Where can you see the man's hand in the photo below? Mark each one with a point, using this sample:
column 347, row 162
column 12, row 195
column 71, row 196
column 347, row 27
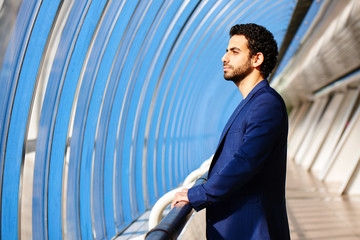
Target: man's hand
column 180, row 197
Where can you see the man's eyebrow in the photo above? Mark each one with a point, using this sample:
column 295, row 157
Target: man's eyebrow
column 233, row 48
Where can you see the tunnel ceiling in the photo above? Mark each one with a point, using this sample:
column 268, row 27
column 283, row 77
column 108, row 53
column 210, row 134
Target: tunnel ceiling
column 107, row 105
column 329, row 53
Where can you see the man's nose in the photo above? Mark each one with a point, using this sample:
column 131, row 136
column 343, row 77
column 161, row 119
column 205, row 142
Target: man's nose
column 225, row 58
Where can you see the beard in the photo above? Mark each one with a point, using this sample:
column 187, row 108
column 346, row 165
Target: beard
column 239, row 73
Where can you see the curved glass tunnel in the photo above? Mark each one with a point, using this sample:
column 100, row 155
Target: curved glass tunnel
column 107, row 105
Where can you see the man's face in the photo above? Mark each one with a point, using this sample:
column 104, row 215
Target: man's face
column 236, row 61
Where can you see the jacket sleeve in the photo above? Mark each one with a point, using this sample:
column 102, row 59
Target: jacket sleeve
column 264, row 123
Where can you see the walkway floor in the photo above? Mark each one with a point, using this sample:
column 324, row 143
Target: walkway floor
column 316, row 211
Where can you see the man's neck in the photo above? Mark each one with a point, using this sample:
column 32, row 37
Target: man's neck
column 247, row 84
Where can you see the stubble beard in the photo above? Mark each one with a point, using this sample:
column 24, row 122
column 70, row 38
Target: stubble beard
column 239, row 73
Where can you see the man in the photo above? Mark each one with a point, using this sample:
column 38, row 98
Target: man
column 244, row 195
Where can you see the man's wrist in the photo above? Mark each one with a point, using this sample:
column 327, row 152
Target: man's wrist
column 197, row 197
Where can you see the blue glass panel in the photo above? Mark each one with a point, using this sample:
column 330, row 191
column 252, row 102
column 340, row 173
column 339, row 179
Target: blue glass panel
column 112, row 102
column 132, row 66
column 97, row 72
column 11, row 68
column 155, row 118
column 105, row 143
column 183, row 102
column 17, row 105
column 51, row 137
column 148, row 123
column 126, row 86
column 174, row 74
column 44, row 21
column 91, row 219
column 139, row 72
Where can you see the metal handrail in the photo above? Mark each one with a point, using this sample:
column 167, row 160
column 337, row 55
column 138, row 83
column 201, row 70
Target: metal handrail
column 173, row 223
column 159, row 207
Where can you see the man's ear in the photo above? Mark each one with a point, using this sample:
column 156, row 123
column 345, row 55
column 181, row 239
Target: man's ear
column 257, row 59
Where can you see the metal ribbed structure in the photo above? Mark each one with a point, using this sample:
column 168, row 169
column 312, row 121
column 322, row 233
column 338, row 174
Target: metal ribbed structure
column 107, row 105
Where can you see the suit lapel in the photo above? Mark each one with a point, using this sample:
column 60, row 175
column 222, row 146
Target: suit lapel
column 236, row 112
column 232, row 118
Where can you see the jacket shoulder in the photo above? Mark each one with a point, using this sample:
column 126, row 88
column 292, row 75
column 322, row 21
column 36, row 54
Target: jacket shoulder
column 269, row 94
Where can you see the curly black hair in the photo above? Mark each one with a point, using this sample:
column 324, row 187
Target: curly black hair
column 259, row 40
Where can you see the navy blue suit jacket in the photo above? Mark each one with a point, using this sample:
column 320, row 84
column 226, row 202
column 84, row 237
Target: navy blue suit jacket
column 244, row 195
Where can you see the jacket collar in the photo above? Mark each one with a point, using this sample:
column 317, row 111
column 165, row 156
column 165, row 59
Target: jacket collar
column 257, row 87
column 236, row 112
